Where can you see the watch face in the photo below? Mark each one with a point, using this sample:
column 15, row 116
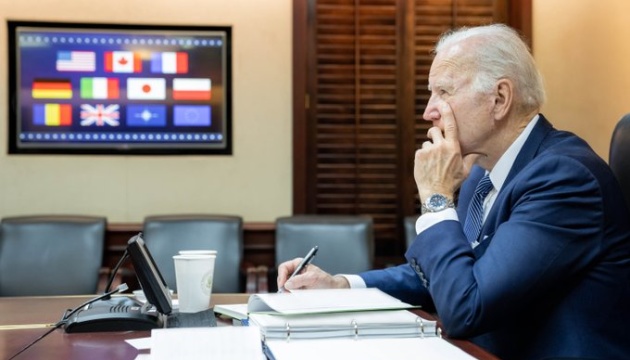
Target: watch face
column 437, row 202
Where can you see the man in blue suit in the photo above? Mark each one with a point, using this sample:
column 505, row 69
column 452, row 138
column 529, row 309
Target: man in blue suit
column 537, row 266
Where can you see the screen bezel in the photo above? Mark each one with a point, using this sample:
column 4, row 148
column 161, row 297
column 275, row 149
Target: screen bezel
column 123, row 148
column 149, row 276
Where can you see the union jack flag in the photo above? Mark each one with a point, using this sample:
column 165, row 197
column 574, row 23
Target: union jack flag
column 100, row 115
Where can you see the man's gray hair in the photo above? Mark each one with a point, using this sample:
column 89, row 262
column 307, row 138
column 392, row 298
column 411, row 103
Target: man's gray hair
column 498, row 52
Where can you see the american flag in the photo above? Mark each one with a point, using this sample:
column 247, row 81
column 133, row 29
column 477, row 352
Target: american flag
column 100, row 115
column 76, row 61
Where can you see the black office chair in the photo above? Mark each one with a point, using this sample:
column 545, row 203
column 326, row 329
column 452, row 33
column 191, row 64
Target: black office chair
column 410, row 229
column 166, row 235
column 619, row 157
column 51, row 255
column 346, row 243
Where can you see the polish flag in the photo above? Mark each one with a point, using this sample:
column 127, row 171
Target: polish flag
column 146, row 89
column 122, row 62
column 191, row 89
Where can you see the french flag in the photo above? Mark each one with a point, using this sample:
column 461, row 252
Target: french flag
column 169, row 63
column 191, row 89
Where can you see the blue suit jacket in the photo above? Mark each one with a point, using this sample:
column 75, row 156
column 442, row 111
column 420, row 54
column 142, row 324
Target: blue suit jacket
column 551, row 276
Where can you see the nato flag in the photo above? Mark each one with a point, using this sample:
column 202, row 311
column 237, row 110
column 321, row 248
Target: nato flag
column 146, row 115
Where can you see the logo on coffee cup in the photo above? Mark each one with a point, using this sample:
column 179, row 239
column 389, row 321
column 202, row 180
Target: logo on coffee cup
column 206, row 283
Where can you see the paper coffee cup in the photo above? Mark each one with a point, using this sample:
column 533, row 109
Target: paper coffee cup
column 194, row 275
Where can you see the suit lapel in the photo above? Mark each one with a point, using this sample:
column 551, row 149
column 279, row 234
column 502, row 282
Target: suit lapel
column 529, row 151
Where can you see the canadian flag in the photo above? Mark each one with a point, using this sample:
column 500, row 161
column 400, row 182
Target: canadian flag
column 122, row 62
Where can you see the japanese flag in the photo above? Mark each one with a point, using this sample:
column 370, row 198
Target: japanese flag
column 146, row 89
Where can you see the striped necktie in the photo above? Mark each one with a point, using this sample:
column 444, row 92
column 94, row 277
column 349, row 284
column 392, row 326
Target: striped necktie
column 474, row 218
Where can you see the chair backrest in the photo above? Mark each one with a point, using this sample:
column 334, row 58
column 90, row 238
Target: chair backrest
column 166, row 235
column 619, row 157
column 410, row 229
column 51, row 255
column 346, row 243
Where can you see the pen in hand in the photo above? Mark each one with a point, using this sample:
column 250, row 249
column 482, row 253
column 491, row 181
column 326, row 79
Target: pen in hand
column 307, row 260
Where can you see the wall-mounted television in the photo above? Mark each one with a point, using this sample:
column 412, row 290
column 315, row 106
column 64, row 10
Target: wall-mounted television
column 119, row 89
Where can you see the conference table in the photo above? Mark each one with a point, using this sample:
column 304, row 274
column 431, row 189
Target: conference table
column 24, row 319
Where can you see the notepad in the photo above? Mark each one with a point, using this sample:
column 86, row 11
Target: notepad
column 323, row 301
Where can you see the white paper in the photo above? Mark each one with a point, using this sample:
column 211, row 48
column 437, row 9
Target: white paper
column 237, row 311
column 224, row 342
column 324, row 301
column 367, row 349
column 140, row 343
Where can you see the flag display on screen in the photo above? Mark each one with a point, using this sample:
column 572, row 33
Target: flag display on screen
column 191, row 89
column 191, row 115
column 146, row 115
column 52, row 114
column 123, row 62
column 52, row 89
column 146, row 89
column 100, row 115
column 99, row 88
column 76, row 61
column 169, row 62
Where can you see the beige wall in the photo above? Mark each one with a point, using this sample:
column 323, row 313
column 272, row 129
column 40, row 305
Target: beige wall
column 581, row 46
column 255, row 182
column 583, row 50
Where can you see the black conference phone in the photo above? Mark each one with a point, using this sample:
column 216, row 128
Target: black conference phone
column 115, row 314
column 123, row 313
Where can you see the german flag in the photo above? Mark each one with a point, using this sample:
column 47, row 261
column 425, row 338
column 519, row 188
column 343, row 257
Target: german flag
column 52, row 89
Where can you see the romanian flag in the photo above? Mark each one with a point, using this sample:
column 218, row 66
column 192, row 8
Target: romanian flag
column 99, row 88
column 52, row 114
column 191, row 89
column 169, row 62
column 123, row 62
column 52, row 89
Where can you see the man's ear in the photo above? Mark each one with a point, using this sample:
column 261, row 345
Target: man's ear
column 504, row 95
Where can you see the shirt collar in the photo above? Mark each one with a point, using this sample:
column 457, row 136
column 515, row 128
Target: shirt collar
column 502, row 168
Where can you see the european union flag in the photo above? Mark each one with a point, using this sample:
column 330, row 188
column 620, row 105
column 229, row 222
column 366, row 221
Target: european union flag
column 146, row 115
column 191, row 115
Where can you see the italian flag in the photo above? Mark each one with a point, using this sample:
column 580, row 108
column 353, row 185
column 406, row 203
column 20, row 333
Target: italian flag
column 99, row 88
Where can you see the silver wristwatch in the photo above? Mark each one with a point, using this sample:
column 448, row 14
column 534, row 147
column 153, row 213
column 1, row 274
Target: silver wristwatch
column 437, row 202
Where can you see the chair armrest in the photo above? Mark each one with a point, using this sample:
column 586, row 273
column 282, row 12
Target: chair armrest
column 263, row 279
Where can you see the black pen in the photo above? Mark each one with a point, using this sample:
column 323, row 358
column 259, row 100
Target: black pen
column 307, row 260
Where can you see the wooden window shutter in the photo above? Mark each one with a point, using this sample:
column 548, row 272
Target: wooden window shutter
column 360, row 88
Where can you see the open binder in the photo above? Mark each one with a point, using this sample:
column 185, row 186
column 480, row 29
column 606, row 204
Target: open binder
column 356, row 324
column 335, row 313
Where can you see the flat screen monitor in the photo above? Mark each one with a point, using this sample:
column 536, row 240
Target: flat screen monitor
column 119, row 89
column 149, row 276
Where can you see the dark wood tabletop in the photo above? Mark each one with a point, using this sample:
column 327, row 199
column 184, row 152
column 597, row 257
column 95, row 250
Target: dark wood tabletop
column 24, row 319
